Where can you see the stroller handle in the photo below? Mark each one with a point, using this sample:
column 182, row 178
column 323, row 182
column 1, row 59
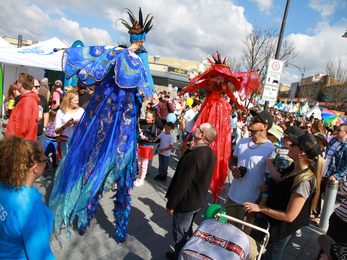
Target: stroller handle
column 232, row 219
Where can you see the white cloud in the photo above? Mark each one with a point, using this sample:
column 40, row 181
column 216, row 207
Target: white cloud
column 314, row 51
column 325, row 7
column 193, row 29
column 187, row 29
column 290, row 75
column 15, row 19
column 264, row 5
column 92, row 36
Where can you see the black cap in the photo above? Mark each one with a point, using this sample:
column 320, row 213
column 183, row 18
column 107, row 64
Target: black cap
column 308, row 143
column 294, row 130
column 264, row 116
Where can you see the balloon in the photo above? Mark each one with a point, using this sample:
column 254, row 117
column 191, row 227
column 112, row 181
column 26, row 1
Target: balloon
column 176, row 89
column 171, row 118
column 189, row 102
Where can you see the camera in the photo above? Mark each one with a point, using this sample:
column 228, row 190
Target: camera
column 242, row 170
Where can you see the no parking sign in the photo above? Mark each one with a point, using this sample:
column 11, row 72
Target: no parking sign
column 273, row 77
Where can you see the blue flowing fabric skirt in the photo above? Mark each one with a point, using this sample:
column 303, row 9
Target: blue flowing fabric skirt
column 102, row 151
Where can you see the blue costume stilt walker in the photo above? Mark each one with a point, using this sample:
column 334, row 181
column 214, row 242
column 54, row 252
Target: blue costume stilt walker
column 102, row 150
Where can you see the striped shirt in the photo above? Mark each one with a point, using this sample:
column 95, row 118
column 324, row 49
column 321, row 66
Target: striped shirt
column 341, row 210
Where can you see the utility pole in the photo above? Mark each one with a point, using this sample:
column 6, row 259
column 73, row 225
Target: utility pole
column 279, row 43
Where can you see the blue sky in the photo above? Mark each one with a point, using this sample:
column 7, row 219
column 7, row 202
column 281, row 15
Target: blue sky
column 188, row 29
column 306, row 18
column 302, row 16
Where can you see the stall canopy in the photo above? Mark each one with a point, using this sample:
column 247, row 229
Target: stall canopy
column 5, row 44
column 40, row 55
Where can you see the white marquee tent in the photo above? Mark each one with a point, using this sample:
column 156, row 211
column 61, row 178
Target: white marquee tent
column 40, row 55
column 5, row 44
column 32, row 59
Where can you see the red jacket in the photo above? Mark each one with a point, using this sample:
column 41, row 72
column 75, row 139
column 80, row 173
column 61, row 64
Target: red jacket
column 24, row 118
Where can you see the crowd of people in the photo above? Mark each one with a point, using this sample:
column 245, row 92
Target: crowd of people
column 43, row 113
column 106, row 137
column 273, row 145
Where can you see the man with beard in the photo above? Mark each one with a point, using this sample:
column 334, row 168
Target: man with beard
column 248, row 164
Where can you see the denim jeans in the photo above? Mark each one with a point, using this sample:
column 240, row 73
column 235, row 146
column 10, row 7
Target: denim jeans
column 41, row 139
column 163, row 164
column 182, row 229
column 275, row 249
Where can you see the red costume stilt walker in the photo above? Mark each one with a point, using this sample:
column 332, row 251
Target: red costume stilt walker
column 219, row 82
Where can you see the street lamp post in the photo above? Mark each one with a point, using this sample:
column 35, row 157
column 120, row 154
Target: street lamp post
column 302, row 72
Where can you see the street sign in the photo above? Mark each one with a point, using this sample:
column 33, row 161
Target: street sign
column 273, row 79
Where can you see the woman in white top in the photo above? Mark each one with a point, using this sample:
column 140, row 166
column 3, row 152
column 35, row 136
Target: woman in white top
column 67, row 118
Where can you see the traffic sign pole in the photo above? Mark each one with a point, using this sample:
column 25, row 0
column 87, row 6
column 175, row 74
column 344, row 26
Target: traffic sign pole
column 279, row 43
column 273, row 79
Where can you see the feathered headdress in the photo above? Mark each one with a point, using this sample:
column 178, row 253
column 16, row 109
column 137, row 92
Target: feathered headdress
column 138, row 28
column 217, row 59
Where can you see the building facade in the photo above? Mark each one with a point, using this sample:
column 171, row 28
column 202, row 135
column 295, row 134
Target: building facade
column 324, row 88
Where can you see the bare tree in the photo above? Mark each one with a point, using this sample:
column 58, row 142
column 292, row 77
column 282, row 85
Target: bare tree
column 336, row 71
column 234, row 64
column 260, row 46
column 337, row 87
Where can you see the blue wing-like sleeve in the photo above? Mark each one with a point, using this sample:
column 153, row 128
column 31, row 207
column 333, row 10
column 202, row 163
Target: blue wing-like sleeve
column 92, row 65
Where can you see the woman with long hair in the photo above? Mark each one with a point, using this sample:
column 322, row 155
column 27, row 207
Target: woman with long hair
column 66, row 119
column 318, row 126
column 25, row 221
column 291, row 199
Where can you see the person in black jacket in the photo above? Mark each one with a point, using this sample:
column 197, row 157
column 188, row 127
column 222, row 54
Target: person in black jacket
column 291, row 199
column 189, row 187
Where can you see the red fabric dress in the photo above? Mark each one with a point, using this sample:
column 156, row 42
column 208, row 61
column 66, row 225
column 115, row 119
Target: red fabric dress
column 219, row 82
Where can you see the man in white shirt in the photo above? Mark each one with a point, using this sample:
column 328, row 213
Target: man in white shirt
column 250, row 155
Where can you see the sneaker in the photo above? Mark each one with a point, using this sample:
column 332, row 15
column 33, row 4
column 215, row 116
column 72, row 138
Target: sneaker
column 298, row 233
column 138, row 182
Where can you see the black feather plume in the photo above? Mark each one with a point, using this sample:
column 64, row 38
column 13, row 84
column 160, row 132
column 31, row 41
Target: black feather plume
column 140, row 17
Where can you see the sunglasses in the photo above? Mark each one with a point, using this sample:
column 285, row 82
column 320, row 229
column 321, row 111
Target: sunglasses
column 339, row 130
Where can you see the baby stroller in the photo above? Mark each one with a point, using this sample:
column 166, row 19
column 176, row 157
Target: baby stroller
column 216, row 238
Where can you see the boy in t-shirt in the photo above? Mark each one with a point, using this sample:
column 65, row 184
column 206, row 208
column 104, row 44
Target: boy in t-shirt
column 167, row 140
